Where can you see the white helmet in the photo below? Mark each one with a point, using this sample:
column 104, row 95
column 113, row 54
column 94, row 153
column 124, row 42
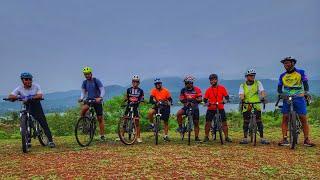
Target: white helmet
column 135, row 78
column 251, row 72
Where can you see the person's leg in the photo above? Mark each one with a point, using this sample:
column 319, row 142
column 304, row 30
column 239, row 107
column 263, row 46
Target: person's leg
column 151, row 114
column 225, row 128
column 209, row 118
column 246, row 121
column 37, row 112
column 196, row 118
column 84, row 110
column 305, row 126
column 137, row 122
column 284, row 125
column 259, row 123
column 180, row 113
column 165, row 115
column 99, row 111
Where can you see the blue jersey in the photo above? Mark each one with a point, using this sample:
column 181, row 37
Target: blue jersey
column 92, row 88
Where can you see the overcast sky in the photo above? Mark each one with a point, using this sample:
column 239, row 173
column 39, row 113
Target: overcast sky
column 55, row 39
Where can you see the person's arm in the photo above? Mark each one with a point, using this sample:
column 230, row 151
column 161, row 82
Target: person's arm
column 102, row 92
column 182, row 97
column 14, row 94
column 263, row 93
column 280, row 85
column 305, row 82
column 141, row 97
column 199, row 96
column 241, row 92
column 39, row 94
column 152, row 100
column 226, row 95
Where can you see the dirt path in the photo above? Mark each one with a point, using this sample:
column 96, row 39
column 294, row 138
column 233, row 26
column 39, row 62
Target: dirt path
column 113, row 160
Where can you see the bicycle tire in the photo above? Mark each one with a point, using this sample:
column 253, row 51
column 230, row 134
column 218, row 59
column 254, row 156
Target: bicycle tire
column 84, row 125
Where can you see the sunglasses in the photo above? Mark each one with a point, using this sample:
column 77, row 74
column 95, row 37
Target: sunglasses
column 27, row 79
column 189, row 83
column 135, row 81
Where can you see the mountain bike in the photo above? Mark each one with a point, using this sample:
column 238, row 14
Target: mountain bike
column 187, row 126
column 29, row 126
column 86, row 126
column 159, row 106
column 127, row 129
column 216, row 124
column 293, row 122
column 253, row 128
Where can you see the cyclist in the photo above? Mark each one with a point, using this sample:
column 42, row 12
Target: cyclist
column 29, row 91
column 157, row 95
column 190, row 94
column 215, row 93
column 92, row 88
column 250, row 92
column 135, row 96
column 294, row 82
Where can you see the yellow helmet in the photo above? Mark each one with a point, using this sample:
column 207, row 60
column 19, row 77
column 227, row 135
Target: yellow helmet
column 87, row 70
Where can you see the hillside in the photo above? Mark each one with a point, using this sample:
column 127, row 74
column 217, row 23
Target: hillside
column 60, row 101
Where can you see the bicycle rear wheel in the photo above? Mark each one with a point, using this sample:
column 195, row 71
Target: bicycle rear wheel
column 127, row 130
column 84, row 131
column 24, row 133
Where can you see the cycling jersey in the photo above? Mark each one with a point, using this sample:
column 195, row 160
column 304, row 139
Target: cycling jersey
column 135, row 95
column 251, row 93
column 32, row 91
column 92, row 89
column 190, row 94
column 292, row 82
column 216, row 94
column 160, row 95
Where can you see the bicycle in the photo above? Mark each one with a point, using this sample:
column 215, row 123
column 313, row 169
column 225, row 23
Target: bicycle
column 127, row 129
column 86, row 126
column 29, row 126
column 160, row 105
column 294, row 121
column 253, row 128
column 187, row 126
column 216, row 124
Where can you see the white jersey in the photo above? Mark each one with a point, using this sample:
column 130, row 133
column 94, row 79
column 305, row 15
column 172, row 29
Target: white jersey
column 32, row 91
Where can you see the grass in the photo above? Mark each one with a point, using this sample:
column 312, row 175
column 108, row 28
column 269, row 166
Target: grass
column 167, row 160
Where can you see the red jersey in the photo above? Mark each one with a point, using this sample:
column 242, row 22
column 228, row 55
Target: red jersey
column 214, row 95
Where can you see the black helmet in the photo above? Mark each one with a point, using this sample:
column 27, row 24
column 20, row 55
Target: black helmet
column 213, row 76
column 289, row 58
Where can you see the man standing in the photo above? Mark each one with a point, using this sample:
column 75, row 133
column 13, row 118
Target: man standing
column 93, row 89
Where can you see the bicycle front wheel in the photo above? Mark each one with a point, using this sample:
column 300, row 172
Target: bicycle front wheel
column 156, row 130
column 84, row 131
column 24, row 133
column 293, row 130
column 127, row 130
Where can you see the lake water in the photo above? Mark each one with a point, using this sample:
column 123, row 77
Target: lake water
column 227, row 107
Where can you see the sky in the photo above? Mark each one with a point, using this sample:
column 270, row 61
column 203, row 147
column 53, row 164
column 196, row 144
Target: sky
column 55, row 39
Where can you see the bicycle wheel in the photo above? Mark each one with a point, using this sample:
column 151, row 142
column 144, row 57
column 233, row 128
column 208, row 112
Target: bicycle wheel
column 24, row 133
column 156, row 130
column 254, row 134
column 43, row 139
column 293, row 130
column 213, row 130
column 84, row 131
column 219, row 128
column 127, row 130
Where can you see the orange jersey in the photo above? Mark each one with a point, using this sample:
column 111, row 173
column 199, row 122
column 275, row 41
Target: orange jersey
column 216, row 94
column 160, row 95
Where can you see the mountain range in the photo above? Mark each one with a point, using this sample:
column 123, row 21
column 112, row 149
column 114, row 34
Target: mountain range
column 61, row 101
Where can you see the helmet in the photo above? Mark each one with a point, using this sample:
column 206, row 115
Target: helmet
column 26, row 75
column 157, row 80
column 135, row 78
column 213, row 76
column 87, row 70
column 289, row 58
column 189, row 78
column 251, row 72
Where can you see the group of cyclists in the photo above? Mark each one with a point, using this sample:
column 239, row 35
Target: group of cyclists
column 292, row 82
